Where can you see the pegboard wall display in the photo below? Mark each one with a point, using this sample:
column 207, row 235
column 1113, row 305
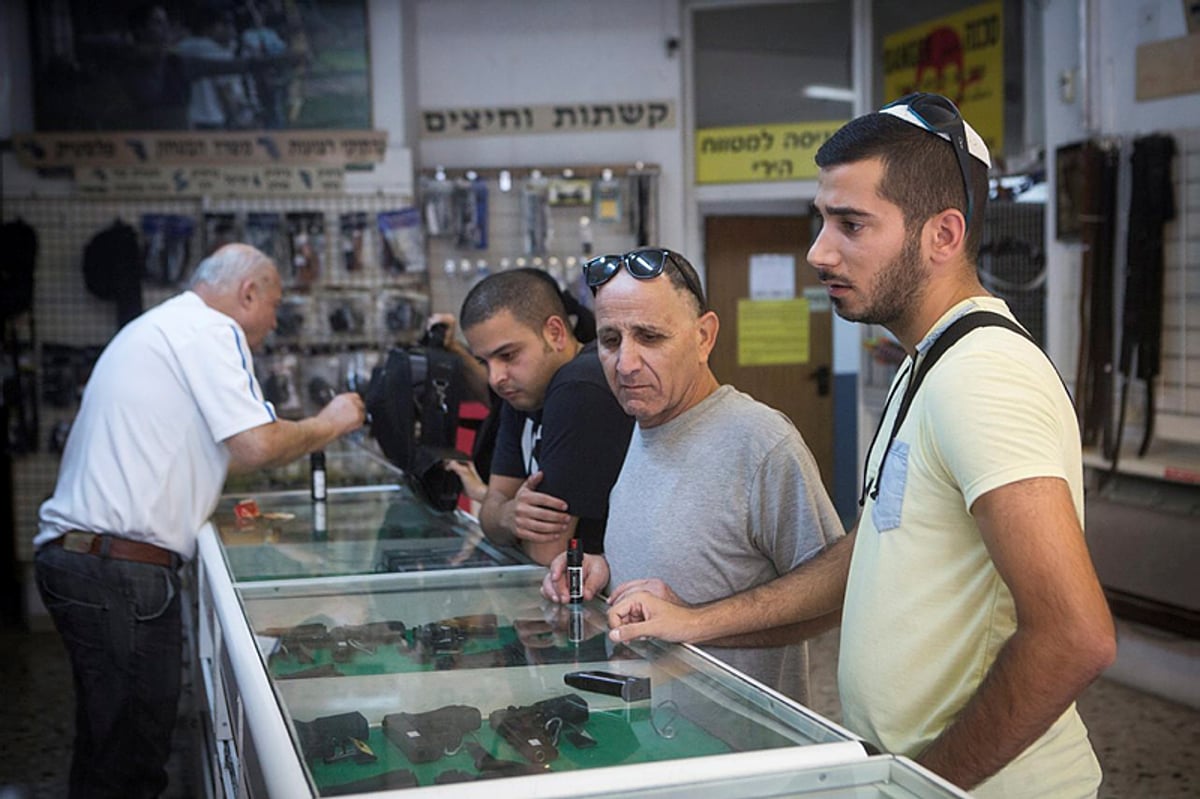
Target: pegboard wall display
column 1179, row 395
column 355, row 284
column 1012, row 261
column 482, row 221
column 1147, row 414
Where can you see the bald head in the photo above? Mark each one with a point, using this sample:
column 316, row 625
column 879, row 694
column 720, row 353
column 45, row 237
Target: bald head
column 230, row 265
column 243, row 283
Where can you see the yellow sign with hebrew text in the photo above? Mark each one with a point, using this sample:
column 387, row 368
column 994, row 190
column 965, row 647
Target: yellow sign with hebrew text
column 772, row 332
column 761, row 153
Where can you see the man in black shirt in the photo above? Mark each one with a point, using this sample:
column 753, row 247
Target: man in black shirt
column 562, row 435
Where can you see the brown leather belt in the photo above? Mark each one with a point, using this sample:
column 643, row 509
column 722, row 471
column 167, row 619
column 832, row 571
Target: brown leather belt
column 111, row 546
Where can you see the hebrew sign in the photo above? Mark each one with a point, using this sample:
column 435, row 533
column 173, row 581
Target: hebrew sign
column 512, row 120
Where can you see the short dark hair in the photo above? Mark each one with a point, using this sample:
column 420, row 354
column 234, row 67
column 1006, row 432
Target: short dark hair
column 920, row 170
column 530, row 295
column 681, row 275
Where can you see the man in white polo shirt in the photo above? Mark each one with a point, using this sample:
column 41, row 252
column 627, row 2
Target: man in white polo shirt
column 171, row 406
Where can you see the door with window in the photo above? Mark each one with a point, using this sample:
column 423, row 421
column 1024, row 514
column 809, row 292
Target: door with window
column 802, row 390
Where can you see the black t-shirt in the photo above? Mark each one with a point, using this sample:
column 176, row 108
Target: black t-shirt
column 578, row 439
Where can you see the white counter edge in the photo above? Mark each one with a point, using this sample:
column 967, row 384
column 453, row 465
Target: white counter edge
column 281, row 769
column 644, row 776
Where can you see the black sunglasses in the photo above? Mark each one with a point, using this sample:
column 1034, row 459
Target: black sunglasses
column 642, row 264
column 940, row 115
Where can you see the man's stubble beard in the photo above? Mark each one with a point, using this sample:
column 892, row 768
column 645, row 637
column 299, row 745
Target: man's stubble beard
column 897, row 287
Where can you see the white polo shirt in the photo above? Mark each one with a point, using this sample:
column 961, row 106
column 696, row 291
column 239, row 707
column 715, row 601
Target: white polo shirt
column 145, row 457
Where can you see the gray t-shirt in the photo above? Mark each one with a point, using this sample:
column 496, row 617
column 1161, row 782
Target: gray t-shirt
column 718, row 500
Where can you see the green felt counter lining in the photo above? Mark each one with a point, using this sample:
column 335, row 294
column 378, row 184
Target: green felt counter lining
column 404, row 659
column 622, row 737
column 387, row 658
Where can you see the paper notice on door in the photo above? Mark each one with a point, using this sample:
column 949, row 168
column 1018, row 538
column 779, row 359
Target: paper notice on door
column 772, row 332
column 818, row 298
column 772, row 277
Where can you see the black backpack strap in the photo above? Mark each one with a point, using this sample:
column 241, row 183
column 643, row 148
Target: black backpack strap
column 948, row 338
column 438, row 400
column 440, row 397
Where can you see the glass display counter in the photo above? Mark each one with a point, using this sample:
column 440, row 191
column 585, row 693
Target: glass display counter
column 456, row 678
column 371, row 645
column 384, row 528
column 370, row 522
column 352, row 460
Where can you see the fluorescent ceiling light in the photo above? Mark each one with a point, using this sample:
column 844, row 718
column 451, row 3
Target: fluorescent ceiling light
column 819, row 92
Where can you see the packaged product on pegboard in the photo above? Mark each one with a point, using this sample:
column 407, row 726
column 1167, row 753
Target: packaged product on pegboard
column 471, row 212
column 403, row 248
column 295, row 320
column 354, row 243
column 279, row 376
column 306, row 235
column 21, row 425
column 401, row 316
column 264, row 230
column 220, row 229
column 166, row 245
column 65, row 371
column 437, row 205
column 321, row 377
column 347, row 314
column 357, row 366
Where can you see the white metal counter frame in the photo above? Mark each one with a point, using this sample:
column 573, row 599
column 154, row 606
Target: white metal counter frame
column 261, row 714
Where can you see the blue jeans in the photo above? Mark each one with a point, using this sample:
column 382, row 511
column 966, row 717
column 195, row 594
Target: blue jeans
column 121, row 624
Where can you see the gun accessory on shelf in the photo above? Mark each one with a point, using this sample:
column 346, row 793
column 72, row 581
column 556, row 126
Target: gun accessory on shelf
column 301, row 641
column 334, row 738
column 437, row 639
column 533, row 730
column 424, row 737
column 487, row 767
column 626, row 686
column 511, row 654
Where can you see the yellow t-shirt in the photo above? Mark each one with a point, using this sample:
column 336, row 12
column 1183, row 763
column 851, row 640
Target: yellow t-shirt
column 926, row 611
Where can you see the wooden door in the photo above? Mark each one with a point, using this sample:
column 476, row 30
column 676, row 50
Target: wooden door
column 803, row 391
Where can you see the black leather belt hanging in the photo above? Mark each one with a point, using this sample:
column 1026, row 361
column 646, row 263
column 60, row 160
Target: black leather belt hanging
column 1151, row 206
column 1098, row 216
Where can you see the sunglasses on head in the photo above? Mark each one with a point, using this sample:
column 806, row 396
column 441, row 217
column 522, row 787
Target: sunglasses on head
column 643, row 264
column 938, row 114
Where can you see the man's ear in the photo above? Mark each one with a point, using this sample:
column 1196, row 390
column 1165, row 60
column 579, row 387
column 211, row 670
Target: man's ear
column 946, row 235
column 247, row 292
column 708, row 326
column 556, row 333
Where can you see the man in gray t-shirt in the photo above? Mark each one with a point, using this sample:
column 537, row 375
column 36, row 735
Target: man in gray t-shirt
column 718, row 492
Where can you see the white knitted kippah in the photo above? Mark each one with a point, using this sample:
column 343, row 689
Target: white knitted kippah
column 975, row 145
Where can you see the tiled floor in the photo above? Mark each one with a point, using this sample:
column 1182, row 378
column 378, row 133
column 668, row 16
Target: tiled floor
column 36, row 722
column 1148, row 747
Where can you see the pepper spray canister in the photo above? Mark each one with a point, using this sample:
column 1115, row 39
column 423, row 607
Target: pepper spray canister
column 320, row 530
column 575, row 571
column 575, row 624
column 317, row 463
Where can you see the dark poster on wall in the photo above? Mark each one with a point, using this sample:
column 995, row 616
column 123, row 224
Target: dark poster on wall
column 200, row 65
